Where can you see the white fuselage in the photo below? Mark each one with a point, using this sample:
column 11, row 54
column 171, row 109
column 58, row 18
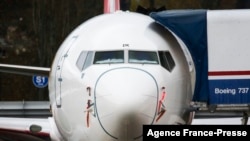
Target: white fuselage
column 94, row 98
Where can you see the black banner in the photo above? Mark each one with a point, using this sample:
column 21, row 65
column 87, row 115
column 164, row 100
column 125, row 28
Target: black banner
column 161, row 132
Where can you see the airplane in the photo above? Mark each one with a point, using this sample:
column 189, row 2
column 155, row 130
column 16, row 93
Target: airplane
column 113, row 74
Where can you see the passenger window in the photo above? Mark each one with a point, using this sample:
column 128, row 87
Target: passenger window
column 143, row 57
column 166, row 60
column 109, row 57
column 84, row 60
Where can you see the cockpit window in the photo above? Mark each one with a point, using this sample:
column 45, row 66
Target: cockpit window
column 166, row 60
column 84, row 60
column 109, row 57
column 143, row 57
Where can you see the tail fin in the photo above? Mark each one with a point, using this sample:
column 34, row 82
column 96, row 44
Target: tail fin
column 111, row 6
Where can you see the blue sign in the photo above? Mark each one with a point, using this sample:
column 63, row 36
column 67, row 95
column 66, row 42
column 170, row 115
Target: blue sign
column 229, row 91
column 40, row 81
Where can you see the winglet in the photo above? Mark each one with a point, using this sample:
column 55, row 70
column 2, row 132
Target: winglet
column 111, row 6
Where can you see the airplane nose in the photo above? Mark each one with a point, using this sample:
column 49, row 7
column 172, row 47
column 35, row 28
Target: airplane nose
column 125, row 99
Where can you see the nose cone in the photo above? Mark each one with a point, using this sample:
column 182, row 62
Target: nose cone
column 125, row 99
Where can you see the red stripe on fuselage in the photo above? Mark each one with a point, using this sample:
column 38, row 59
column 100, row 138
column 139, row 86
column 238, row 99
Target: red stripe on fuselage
column 23, row 135
column 221, row 73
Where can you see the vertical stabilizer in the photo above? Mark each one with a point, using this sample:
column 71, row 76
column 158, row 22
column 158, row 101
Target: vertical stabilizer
column 111, row 6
